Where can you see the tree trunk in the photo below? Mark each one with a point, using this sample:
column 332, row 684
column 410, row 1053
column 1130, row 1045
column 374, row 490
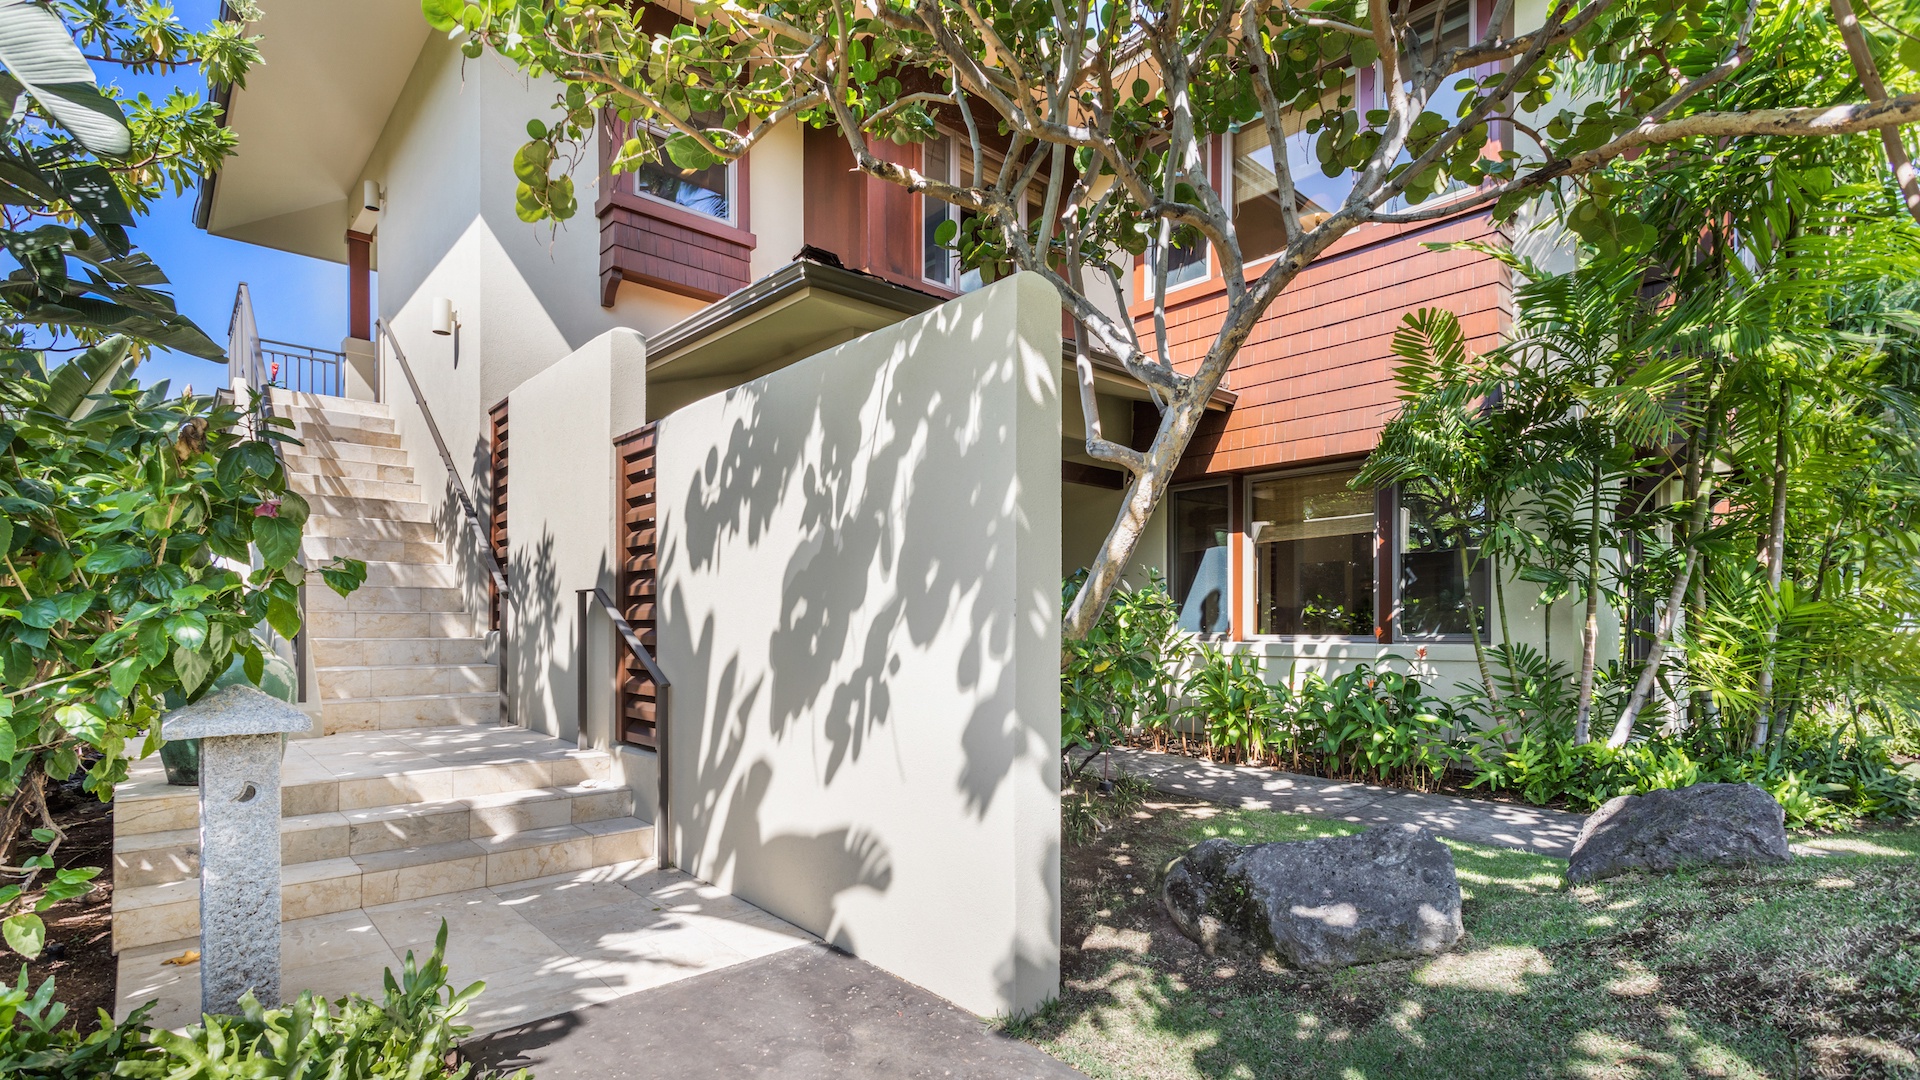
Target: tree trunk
column 1590, row 630
column 1776, row 561
column 1182, row 415
column 1699, row 490
column 1473, row 624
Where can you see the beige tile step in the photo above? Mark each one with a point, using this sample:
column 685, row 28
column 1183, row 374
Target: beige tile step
column 396, row 711
column 288, row 399
column 380, row 652
column 412, row 575
column 302, row 464
column 311, row 434
column 158, row 858
column 146, row 914
column 356, row 528
column 324, row 548
column 385, row 509
column 350, row 682
column 353, row 487
column 369, row 771
column 340, row 419
column 374, row 598
column 322, row 450
column 392, row 624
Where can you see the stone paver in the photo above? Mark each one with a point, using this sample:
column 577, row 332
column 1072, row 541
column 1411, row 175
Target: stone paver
column 542, row 947
column 811, row 1013
column 1528, row 828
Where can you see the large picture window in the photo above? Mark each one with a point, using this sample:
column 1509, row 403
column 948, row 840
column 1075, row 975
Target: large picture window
column 1197, row 551
column 1442, row 594
column 1256, row 184
column 1313, row 555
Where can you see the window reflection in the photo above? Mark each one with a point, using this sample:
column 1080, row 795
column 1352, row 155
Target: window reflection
column 1313, row 555
column 1197, row 545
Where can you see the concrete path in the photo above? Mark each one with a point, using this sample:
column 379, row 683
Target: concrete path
column 1528, row 828
column 804, row 1013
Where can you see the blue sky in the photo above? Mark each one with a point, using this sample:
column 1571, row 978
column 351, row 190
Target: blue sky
column 294, row 298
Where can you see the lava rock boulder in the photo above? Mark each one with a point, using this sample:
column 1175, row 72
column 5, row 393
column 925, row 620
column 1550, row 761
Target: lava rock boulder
column 1386, row 894
column 1662, row 831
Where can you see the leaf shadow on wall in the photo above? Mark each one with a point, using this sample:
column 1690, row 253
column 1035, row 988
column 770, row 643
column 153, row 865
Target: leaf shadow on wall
column 890, row 504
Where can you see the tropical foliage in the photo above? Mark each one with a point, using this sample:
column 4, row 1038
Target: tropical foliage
column 410, row 1034
column 142, row 538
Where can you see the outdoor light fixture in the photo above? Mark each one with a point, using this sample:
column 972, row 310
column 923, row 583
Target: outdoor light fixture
column 370, row 196
column 445, row 322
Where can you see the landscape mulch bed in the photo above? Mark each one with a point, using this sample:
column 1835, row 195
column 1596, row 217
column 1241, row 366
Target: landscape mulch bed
column 79, row 951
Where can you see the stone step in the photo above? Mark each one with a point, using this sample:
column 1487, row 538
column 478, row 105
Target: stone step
column 394, row 624
column 353, row 487
column 380, row 652
column 324, row 548
column 362, row 772
column 384, row 509
column 390, row 712
column 313, row 434
column 148, row 914
column 324, row 450
column 302, row 464
column 375, row 598
column 160, row 858
column 412, row 575
column 341, row 420
column 357, row 682
column 284, row 400
column 330, row 526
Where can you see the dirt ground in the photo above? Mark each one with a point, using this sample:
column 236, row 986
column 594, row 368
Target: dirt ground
column 79, row 952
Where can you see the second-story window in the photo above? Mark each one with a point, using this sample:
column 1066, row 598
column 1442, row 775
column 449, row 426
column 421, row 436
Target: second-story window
column 1256, row 184
column 708, row 192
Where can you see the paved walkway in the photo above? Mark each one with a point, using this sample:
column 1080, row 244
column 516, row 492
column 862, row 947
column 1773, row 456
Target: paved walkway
column 1529, row 828
column 806, row 1013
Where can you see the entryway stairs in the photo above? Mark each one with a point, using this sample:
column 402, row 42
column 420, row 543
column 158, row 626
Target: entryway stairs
column 411, row 786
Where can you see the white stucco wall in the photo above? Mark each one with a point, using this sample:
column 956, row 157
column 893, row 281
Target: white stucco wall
column 859, row 572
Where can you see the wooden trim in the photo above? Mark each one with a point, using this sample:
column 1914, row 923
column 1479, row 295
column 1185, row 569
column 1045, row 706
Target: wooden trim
column 360, row 285
column 1076, row 472
column 1386, row 580
column 1238, row 581
column 674, row 215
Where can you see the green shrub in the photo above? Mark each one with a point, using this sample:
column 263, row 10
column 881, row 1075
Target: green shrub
column 409, row 1035
column 1242, row 716
column 1122, row 674
column 1375, row 725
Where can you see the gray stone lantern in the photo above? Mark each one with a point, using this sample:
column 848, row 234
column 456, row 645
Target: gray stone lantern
column 240, row 731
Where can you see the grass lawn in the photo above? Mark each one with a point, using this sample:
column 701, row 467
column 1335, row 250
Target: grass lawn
column 1812, row 969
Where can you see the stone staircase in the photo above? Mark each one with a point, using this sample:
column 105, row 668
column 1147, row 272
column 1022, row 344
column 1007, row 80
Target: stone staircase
column 411, row 787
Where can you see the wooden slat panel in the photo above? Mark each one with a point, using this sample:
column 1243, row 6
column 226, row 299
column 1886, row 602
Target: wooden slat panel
column 497, row 498
column 638, row 581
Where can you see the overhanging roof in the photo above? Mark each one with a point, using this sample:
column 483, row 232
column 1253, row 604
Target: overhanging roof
column 307, row 120
column 804, row 308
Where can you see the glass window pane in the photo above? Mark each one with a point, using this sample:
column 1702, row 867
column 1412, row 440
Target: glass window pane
column 1456, row 29
column 1437, row 597
column 707, row 191
column 1256, row 209
column 1313, row 556
column 1198, row 554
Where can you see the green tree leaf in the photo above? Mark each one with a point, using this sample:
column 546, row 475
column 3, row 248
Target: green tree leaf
column 25, row 934
column 278, row 540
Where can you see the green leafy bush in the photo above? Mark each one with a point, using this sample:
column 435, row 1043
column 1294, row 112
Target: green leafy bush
column 1123, row 674
column 1376, row 725
column 1242, row 716
column 409, row 1035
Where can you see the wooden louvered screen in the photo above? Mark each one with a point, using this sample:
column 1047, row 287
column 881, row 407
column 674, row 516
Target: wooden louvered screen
column 638, row 574
column 497, row 499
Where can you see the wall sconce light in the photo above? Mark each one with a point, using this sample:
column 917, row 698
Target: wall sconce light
column 445, row 321
column 371, row 197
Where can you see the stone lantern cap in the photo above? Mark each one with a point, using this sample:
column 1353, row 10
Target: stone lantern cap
column 236, row 710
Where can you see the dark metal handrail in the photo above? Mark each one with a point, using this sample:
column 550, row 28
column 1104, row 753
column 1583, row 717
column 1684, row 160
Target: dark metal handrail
column 480, row 537
column 662, row 696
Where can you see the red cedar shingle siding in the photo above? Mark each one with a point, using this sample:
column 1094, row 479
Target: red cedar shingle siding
column 1315, row 379
column 650, row 249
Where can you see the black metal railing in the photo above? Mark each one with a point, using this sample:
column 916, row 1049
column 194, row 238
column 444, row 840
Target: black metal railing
column 480, row 537
column 263, row 362
column 662, row 691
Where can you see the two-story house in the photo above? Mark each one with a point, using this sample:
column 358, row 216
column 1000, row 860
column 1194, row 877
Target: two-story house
column 699, row 396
